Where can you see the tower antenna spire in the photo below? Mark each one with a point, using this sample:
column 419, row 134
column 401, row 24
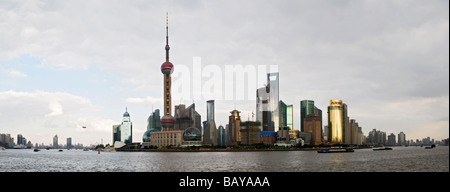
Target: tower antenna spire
column 167, row 36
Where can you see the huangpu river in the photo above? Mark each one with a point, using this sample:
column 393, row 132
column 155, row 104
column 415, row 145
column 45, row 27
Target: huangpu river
column 400, row 159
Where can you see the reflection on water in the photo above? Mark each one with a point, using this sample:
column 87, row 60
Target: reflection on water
column 400, row 159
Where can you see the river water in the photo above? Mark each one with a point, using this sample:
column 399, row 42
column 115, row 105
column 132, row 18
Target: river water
column 400, row 159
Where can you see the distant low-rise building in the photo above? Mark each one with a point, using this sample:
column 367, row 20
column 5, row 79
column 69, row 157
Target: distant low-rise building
column 268, row 137
column 283, row 135
column 166, row 138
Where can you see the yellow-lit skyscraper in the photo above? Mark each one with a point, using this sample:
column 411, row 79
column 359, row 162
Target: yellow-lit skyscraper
column 335, row 122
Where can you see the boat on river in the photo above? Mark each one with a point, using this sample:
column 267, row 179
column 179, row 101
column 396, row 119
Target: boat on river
column 36, row 150
column 431, row 147
column 336, row 150
column 382, row 148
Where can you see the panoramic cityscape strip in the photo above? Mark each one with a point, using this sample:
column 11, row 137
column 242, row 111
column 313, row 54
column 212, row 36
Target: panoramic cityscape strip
column 271, row 125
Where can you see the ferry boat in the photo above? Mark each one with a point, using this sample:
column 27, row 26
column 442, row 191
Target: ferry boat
column 382, row 148
column 336, row 150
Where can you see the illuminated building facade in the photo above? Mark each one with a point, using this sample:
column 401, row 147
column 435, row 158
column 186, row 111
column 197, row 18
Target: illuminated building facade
column 335, row 122
column 234, row 128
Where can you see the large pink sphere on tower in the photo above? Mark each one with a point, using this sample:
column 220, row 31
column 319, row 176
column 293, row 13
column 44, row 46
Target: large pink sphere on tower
column 167, row 68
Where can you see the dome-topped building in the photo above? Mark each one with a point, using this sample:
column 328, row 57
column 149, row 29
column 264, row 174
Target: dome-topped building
column 192, row 137
column 147, row 135
column 192, row 134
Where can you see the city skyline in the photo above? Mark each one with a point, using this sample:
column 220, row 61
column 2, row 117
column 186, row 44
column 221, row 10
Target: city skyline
column 62, row 71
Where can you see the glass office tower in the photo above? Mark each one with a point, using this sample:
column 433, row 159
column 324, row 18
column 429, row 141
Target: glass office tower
column 116, row 133
column 267, row 104
column 401, row 138
column 154, row 121
column 283, row 114
column 273, row 80
column 209, row 111
column 263, row 110
column 306, row 108
column 335, row 122
column 290, row 117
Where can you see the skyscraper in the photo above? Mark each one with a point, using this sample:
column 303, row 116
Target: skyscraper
column 391, row 140
column 126, row 129
column 221, row 136
column 234, row 128
column 283, row 114
column 263, row 109
column 209, row 110
column 154, row 121
column 290, row 117
column 250, row 132
column 353, row 131
column 318, row 111
column 20, row 139
column 210, row 135
column 306, row 108
column 267, row 103
column 186, row 117
column 273, row 80
column 312, row 123
column 167, row 121
column 69, row 143
column 401, row 138
column 55, row 142
column 335, row 124
column 346, row 136
column 116, row 133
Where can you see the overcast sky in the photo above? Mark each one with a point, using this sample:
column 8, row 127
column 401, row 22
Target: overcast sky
column 68, row 64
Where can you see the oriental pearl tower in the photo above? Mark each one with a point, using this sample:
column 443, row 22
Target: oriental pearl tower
column 167, row 121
